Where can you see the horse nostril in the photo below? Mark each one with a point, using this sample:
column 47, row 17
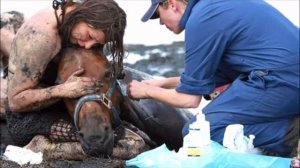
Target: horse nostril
column 106, row 128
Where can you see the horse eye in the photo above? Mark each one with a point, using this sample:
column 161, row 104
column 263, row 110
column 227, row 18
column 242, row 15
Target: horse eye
column 107, row 73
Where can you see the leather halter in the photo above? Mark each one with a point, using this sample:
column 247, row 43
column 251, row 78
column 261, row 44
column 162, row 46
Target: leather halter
column 104, row 99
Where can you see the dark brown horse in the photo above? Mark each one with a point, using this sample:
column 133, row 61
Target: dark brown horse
column 95, row 116
column 92, row 119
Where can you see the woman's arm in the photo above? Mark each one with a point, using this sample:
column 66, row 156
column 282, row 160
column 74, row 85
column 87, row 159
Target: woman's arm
column 31, row 52
column 7, row 37
column 139, row 90
column 171, row 82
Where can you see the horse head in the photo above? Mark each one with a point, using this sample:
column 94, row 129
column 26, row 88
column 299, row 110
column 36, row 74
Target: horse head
column 94, row 115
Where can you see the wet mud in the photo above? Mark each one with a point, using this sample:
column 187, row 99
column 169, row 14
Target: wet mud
column 91, row 162
column 88, row 163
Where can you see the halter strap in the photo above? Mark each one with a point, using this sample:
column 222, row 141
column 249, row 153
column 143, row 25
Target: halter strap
column 104, row 99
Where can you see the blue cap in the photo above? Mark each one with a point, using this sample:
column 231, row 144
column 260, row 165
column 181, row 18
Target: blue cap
column 151, row 14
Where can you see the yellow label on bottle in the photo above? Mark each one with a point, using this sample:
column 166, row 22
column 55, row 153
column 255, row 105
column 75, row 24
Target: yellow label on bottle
column 193, row 152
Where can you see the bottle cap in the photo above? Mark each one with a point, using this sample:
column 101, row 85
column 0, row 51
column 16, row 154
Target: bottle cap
column 200, row 117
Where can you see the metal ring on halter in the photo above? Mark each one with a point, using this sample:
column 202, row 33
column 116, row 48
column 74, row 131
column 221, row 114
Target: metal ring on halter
column 78, row 1
column 58, row 3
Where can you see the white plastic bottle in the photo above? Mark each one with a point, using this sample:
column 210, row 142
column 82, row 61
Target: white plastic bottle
column 192, row 147
column 197, row 141
column 251, row 148
column 204, row 126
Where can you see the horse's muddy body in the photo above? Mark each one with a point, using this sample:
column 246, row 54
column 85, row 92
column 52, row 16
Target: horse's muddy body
column 161, row 122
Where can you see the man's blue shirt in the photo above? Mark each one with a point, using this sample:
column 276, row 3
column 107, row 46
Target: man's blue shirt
column 254, row 47
column 225, row 39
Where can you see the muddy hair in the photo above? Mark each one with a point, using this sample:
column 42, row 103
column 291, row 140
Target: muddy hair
column 12, row 20
column 105, row 15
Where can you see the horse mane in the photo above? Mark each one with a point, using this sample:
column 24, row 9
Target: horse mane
column 116, row 62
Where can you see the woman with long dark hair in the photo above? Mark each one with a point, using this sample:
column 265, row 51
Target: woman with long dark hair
column 34, row 106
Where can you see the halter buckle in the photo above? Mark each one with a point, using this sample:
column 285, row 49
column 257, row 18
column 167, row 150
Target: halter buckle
column 106, row 101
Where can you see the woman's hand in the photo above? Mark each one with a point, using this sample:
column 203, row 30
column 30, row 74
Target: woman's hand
column 137, row 90
column 169, row 83
column 76, row 86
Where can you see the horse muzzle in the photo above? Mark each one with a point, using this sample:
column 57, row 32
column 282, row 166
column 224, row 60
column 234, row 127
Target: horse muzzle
column 97, row 145
column 96, row 136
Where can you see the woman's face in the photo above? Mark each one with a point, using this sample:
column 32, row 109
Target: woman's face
column 170, row 18
column 86, row 36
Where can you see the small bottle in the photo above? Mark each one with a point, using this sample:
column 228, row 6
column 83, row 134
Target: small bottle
column 191, row 142
column 204, row 129
column 250, row 142
column 196, row 142
column 250, row 145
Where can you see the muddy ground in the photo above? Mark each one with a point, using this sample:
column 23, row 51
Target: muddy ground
column 88, row 163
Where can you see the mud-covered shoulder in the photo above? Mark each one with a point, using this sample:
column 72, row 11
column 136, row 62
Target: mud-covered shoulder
column 32, row 49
